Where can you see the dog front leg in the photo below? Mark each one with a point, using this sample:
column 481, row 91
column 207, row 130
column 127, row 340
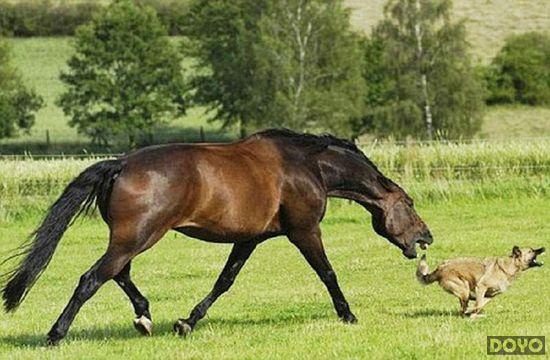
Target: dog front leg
column 481, row 301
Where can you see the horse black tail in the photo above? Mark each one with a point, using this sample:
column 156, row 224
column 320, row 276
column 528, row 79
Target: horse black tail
column 93, row 183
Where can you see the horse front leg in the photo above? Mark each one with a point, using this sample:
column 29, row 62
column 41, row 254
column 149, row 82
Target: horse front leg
column 311, row 246
column 237, row 258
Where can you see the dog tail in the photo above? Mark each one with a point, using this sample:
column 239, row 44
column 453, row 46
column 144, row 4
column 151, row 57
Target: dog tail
column 423, row 272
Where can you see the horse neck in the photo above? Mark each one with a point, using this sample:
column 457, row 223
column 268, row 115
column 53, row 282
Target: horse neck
column 352, row 178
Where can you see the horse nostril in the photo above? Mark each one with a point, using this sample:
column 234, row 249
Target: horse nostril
column 428, row 237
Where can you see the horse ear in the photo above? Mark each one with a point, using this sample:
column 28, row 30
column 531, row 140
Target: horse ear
column 516, row 252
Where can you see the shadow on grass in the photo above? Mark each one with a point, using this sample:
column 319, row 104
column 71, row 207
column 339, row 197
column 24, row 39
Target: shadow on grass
column 430, row 313
column 117, row 332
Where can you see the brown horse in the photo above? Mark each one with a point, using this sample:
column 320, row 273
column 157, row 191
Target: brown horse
column 275, row 182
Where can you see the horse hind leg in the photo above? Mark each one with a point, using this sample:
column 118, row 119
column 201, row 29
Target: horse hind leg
column 143, row 321
column 110, row 264
column 122, row 248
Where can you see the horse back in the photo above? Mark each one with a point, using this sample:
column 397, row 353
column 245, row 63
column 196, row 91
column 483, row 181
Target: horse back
column 218, row 192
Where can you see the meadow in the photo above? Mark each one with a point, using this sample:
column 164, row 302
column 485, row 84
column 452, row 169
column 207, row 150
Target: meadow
column 488, row 23
column 479, row 199
column 278, row 308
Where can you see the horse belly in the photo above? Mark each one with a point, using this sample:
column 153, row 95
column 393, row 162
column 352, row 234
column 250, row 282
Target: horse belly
column 232, row 218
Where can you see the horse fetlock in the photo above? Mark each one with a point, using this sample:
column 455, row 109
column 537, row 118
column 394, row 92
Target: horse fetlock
column 144, row 325
column 54, row 337
column 183, row 328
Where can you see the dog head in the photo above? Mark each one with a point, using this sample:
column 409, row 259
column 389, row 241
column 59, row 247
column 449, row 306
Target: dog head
column 527, row 257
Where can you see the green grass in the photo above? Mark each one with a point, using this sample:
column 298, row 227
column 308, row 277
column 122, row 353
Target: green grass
column 517, row 121
column 277, row 307
column 430, row 173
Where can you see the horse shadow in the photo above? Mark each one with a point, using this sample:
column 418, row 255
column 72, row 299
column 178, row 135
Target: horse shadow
column 125, row 331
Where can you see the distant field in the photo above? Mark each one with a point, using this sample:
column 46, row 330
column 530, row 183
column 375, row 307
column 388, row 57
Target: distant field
column 41, row 60
column 488, row 22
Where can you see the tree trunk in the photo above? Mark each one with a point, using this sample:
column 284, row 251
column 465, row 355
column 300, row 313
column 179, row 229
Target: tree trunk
column 301, row 39
column 423, row 76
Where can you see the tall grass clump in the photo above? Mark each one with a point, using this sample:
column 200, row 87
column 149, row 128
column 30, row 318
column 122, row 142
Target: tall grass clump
column 476, row 160
column 429, row 172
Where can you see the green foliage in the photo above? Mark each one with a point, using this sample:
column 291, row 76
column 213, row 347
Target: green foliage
column 125, row 76
column 44, row 17
column 17, row 103
column 417, row 41
column 288, row 63
column 25, row 18
column 521, row 71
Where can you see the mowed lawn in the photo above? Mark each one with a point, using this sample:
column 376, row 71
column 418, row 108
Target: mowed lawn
column 277, row 307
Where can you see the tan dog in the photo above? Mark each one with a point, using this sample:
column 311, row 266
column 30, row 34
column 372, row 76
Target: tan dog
column 478, row 279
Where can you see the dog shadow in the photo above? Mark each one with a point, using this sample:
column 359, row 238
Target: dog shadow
column 425, row 313
column 120, row 332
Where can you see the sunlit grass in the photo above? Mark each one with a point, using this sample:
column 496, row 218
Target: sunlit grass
column 277, row 307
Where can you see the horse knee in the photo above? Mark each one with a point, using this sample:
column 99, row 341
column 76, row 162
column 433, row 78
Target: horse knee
column 328, row 277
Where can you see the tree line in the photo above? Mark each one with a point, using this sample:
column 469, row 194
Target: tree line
column 286, row 63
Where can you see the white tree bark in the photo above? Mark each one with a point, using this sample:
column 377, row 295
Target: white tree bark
column 423, row 76
column 301, row 39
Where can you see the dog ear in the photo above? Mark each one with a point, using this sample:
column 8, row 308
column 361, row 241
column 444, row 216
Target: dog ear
column 516, row 252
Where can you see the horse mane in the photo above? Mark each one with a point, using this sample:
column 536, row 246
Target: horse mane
column 314, row 143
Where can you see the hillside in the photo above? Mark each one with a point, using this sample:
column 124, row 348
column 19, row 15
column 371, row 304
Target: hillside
column 488, row 22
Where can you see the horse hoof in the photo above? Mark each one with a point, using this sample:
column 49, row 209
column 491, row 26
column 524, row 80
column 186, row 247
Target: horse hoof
column 53, row 339
column 144, row 325
column 349, row 318
column 182, row 328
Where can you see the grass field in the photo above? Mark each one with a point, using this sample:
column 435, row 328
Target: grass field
column 277, row 307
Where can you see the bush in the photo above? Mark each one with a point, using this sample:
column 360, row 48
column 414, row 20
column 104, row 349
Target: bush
column 26, row 18
column 43, row 18
column 17, row 103
column 521, row 71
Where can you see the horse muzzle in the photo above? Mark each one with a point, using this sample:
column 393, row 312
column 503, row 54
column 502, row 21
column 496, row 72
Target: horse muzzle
column 423, row 240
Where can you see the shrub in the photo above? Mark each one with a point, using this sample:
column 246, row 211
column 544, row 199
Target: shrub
column 521, row 71
column 26, row 18
column 17, row 103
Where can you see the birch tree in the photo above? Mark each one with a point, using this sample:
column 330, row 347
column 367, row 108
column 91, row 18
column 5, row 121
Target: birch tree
column 291, row 63
column 420, row 78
